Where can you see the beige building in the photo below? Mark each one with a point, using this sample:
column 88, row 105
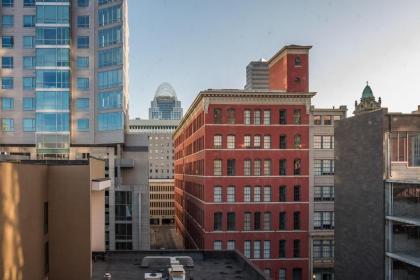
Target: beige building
column 322, row 189
column 51, row 218
column 162, row 209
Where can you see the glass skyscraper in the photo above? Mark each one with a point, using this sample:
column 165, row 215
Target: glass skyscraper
column 165, row 105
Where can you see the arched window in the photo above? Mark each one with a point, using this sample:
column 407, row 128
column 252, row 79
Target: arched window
column 231, row 116
column 217, row 115
column 298, row 141
column 296, row 167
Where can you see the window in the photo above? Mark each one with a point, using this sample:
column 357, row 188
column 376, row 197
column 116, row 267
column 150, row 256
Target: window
column 257, row 249
column 296, row 220
column 297, row 167
column 82, row 42
column 267, row 142
column 282, row 221
column 217, row 221
column 217, row 194
column 247, row 167
column 230, row 194
column 28, row 83
column 282, row 167
column 28, row 62
column 217, row 116
column 324, row 220
column 247, row 249
column 283, row 142
column 231, row 141
column 7, row 125
column 7, row 103
column 82, row 104
column 282, row 274
column 247, row 141
column 283, row 117
column 247, row 117
column 296, row 248
column 323, row 167
column 297, row 274
column 217, row 167
column 267, row 221
column 267, row 167
column 324, row 193
column 231, row 116
column 82, row 62
column 247, row 221
column 83, row 83
column 110, row 100
column 257, row 117
column 282, row 193
column 28, row 125
column 267, row 249
column 298, row 141
column 317, row 142
column 267, row 272
column 230, row 245
column 53, row 14
column 110, row 57
column 83, row 21
column 267, row 193
column 7, row 21
column 7, row 62
column 7, row 83
column 7, row 3
column 231, row 167
column 296, row 193
column 247, row 194
column 257, row 221
column 110, row 36
column 297, row 118
column 53, row 79
column 217, row 141
column 231, row 221
column 28, row 3
column 110, row 121
column 217, row 245
column 110, row 15
column 257, row 141
column 282, row 248
column 298, row 61
column 317, row 120
column 28, row 42
column 323, row 249
column 324, row 142
column 28, row 104
column 28, row 21
column 83, row 124
column 7, row 42
column 257, row 167
column 267, row 117
column 82, row 3
column 257, row 194
column 327, row 120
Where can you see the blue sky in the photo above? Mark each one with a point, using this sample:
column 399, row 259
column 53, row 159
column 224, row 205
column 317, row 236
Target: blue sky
column 200, row 44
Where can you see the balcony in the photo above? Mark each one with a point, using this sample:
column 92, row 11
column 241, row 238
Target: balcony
column 404, row 243
column 100, row 184
column 125, row 163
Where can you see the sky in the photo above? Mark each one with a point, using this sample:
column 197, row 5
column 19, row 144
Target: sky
column 200, row 44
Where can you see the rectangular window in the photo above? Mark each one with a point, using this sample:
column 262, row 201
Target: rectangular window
column 7, row 125
column 28, row 21
column 217, row 141
column 7, row 3
column 257, row 194
column 267, row 167
column 217, row 221
column 217, row 167
column 83, row 21
column 324, row 220
column 7, row 103
column 110, row 79
column 83, row 83
column 257, row 221
column 110, row 100
column 323, row 249
column 110, row 57
column 267, row 117
column 7, row 83
column 282, row 193
column 110, row 36
column 282, row 274
column 282, row 248
column 82, row 3
column 28, row 42
column 83, row 124
column 82, row 62
column 28, row 104
column 217, row 245
column 82, row 42
column 324, row 193
column 282, row 167
column 7, row 21
column 257, row 249
column 110, row 121
column 82, row 104
column 267, row 249
column 297, row 274
column 323, row 167
column 230, row 245
column 267, row 221
column 257, row 167
column 217, row 114
column 28, row 125
column 247, row 221
column 296, row 220
column 28, row 3
column 297, row 117
column 257, row 117
column 247, row 141
column 7, row 62
column 247, row 194
column 231, row 221
column 257, row 141
column 231, row 167
column 247, row 117
column 53, row 14
column 317, row 142
column 247, row 167
column 296, row 248
column 231, row 141
column 28, row 62
column 7, row 42
column 231, row 194
column 267, row 142
column 327, row 120
column 267, row 194
column 296, row 193
column 53, row 79
column 283, row 117
column 317, row 120
column 110, row 15
column 28, row 83
column 283, row 142
column 217, row 194
column 247, row 249
column 282, row 221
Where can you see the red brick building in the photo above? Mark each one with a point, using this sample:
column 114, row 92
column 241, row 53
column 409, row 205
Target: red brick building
column 242, row 169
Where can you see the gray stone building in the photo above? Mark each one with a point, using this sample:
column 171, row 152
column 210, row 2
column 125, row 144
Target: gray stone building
column 377, row 206
column 257, row 75
column 322, row 189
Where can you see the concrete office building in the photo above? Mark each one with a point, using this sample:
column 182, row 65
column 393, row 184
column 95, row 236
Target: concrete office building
column 51, row 218
column 257, row 75
column 377, row 195
column 161, row 166
column 64, row 89
column 242, row 169
column 321, row 182
column 165, row 105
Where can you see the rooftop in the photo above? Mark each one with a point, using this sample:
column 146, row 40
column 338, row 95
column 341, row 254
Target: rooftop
column 153, row 122
column 206, row 265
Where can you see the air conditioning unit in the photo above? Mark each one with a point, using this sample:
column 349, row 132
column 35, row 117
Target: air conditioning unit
column 153, row 276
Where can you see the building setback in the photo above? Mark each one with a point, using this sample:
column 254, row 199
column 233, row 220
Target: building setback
column 377, row 194
column 242, row 170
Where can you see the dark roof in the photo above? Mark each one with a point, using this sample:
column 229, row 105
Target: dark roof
column 214, row 265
